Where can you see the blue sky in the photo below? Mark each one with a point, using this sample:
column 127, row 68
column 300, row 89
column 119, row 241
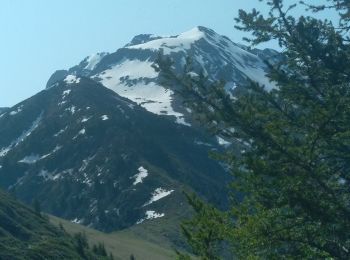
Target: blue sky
column 41, row 36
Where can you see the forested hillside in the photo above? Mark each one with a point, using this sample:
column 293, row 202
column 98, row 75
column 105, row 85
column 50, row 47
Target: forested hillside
column 26, row 233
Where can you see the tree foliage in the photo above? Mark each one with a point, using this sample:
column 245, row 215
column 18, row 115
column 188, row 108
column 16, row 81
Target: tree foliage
column 294, row 141
column 206, row 231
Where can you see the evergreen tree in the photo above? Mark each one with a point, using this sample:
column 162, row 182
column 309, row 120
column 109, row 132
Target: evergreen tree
column 99, row 249
column 205, row 231
column 291, row 171
column 81, row 243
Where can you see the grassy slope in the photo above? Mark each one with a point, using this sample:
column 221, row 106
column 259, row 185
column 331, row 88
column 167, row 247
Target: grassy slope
column 121, row 244
column 24, row 234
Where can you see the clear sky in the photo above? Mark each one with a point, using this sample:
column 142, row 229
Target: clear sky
column 41, row 36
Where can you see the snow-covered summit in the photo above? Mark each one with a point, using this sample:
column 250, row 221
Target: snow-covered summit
column 129, row 71
column 142, row 38
column 172, row 43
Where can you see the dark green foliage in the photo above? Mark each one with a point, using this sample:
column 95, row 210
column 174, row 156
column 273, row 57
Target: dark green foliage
column 25, row 235
column 82, row 243
column 291, row 176
column 205, row 231
column 182, row 256
column 99, row 249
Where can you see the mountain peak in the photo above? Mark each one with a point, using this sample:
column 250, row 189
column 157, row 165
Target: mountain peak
column 195, row 33
column 142, row 38
column 129, row 71
column 181, row 41
column 204, row 29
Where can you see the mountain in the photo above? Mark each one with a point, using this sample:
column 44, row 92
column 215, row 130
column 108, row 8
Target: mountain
column 107, row 146
column 129, row 71
column 25, row 234
column 95, row 158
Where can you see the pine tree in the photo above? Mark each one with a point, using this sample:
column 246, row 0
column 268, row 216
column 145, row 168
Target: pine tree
column 291, row 175
column 81, row 243
column 100, row 249
column 205, row 231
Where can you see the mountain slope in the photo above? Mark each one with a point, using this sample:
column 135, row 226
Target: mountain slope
column 121, row 244
column 129, row 71
column 95, row 158
column 26, row 235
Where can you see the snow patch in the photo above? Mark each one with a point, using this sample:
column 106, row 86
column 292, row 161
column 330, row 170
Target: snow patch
column 22, row 137
column 85, row 119
column 181, row 120
column 150, row 214
column 87, row 180
column 60, row 132
column 85, row 163
column 71, row 79
column 50, row 153
column 93, row 60
column 81, row 132
column 143, row 173
column 222, row 141
column 77, row 221
column 46, row 175
column 71, row 109
column 62, row 103
column 104, row 117
column 66, row 93
column 202, row 143
column 31, row 159
column 158, row 194
column 14, row 112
